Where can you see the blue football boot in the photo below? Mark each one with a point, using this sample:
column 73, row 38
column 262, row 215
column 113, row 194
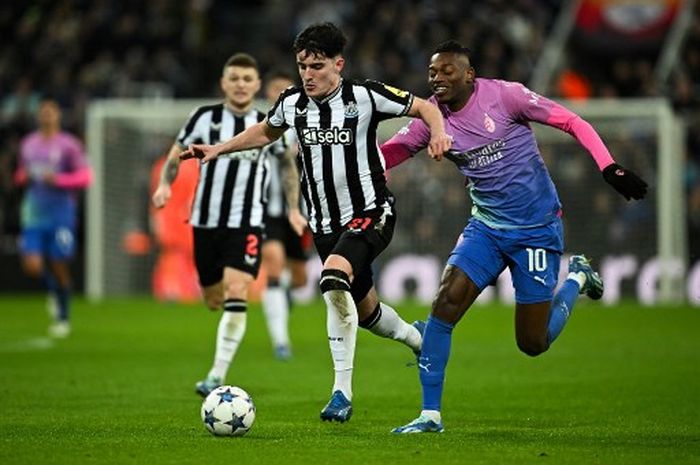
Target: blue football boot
column 422, row 424
column 204, row 387
column 337, row 409
column 593, row 286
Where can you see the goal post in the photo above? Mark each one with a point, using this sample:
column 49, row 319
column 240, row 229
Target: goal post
column 648, row 116
column 640, row 246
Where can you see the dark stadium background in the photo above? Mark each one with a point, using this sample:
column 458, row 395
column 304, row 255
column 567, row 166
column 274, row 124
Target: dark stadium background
column 79, row 50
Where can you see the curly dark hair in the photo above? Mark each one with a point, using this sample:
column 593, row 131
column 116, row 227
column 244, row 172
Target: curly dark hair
column 323, row 39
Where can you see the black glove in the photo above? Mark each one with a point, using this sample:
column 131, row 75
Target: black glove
column 625, row 182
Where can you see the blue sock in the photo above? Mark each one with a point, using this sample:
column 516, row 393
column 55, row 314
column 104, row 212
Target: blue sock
column 562, row 306
column 50, row 282
column 433, row 359
column 63, row 300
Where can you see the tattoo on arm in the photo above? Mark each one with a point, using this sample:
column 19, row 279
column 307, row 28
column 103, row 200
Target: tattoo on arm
column 290, row 178
column 169, row 172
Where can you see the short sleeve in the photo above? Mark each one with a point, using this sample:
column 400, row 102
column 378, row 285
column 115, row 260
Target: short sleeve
column 275, row 117
column 76, row 153
column 194, row 129
column 524, row 104
column 388, row 100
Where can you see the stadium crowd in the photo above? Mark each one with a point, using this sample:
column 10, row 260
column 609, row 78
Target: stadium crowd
column 78, row 50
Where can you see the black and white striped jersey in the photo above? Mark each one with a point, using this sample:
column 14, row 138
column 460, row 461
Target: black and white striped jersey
column 276, row 198
column 232, row 189
column 342, row 169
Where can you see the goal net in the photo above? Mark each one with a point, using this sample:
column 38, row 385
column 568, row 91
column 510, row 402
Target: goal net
column 639, row 247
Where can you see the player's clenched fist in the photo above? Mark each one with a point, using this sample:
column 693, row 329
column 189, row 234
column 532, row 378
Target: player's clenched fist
column 439, row 144
column 161, row 195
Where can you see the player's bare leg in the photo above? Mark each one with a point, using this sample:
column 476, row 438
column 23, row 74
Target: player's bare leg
column 275, row 302
column 298, row 269
column 33, row 265
column 538, row 325
column 531, row 327
column 231, row 294
column 341, row 325
column 456, row 294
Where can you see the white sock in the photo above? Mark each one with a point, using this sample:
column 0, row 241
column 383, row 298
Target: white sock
column 342, row 335
column 276, row 309
column 432, row 415
column 392, row 326
column 579, row 277
column 228, row 337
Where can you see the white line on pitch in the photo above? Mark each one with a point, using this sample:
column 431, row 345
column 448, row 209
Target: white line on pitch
column 27, row 345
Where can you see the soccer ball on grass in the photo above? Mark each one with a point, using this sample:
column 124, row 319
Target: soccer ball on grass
column 228, row 411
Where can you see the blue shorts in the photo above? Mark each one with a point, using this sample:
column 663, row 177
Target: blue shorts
column 531, row 254
column 55, row 243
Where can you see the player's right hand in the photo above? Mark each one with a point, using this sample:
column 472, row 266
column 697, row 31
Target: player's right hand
column 161, row 195
column 201, row 151
column 438, row 145
column 297, row 221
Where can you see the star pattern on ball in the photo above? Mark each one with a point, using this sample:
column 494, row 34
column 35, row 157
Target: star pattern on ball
column 209, row 418
column 236, row 422
column 226, row 396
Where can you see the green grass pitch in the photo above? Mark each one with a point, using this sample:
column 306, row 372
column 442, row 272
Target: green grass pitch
column 621, row 385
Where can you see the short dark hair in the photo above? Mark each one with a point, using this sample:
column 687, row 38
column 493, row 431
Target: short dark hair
column 321, row 39
column 452, row 46
column 278, row 73
column 243, row 60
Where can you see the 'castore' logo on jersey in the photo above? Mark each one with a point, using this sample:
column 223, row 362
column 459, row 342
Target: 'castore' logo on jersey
column 330, row 136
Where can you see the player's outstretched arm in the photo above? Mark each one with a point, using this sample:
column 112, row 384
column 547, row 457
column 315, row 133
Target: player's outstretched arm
column 626, row 182
column 440, row 142
column 290, row 184
column 530, row 106
column 167, row 176
column 258, row 135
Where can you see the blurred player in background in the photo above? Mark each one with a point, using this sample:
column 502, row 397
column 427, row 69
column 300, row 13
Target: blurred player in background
column 53, row 167
column 351, row 211
column 283, row 247
column 229, row 204
column 516, row 217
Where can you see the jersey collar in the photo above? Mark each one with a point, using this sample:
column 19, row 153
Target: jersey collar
column 331, row 95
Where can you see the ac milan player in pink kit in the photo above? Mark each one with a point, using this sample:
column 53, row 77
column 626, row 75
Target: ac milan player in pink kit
column 516, row 212
column 53, row 168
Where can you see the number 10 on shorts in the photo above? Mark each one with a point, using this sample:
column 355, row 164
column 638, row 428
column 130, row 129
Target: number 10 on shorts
column 536, row 259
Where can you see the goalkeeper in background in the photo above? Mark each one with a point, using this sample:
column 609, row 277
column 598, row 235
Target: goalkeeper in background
column 53, row 168
column 516, row 214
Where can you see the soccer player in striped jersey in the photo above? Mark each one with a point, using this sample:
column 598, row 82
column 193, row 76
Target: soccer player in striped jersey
column 228, row 209
column 351, row 211
column 53, row 167
column 282, row 248
column 516, row 215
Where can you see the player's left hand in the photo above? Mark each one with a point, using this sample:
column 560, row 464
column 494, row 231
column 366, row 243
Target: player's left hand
column 297, row 221
column 625, row 182
column 438, row 145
